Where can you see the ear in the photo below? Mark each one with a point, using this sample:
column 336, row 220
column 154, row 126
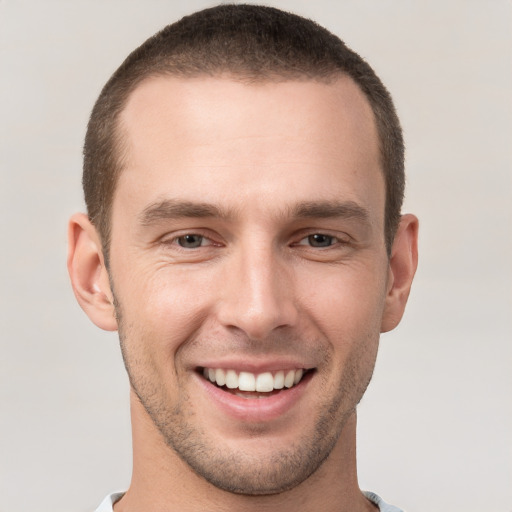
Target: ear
column 402, row 267
column 89, row 276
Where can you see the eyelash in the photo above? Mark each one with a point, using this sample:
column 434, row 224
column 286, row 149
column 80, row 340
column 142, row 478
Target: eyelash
column 175, row 241
column 326, row 237
column 308, row 239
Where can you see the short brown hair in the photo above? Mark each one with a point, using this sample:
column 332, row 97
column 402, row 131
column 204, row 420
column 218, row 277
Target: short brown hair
column 250, row 43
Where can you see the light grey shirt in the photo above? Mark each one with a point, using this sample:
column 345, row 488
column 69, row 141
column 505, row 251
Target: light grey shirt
column 107, row 505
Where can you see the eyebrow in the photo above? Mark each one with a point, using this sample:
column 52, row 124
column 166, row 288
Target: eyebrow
column 330, row 209
column 169, row 209
column 172, row 209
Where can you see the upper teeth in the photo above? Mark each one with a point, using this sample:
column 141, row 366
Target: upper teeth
column 246, row 381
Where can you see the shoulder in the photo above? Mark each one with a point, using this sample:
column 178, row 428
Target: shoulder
column 383, row 506
column 107, row 505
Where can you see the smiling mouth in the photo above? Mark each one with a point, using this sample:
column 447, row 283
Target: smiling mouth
column 252, row 385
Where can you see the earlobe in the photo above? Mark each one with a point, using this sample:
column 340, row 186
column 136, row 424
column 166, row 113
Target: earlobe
column 402, row 267
column 89, row 276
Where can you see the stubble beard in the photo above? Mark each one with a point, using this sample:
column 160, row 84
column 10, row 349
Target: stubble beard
column 240, row 472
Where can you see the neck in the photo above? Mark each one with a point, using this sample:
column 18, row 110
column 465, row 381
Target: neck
column 162, row 482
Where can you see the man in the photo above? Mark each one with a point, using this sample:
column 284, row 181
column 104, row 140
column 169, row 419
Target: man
column 243, row 174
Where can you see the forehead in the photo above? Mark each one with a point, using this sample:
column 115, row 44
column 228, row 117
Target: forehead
column 228, row 141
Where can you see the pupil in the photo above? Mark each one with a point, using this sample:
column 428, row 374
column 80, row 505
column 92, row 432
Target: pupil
column 190, row 241
column 320, row 240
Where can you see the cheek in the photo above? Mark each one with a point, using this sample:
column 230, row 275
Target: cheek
column 162, row 307
column 345, row 302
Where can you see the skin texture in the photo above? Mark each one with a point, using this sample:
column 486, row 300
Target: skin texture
column 253, row 171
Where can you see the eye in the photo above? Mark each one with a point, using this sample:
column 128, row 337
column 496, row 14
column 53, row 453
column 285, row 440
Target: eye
column 191, row 241
column 319, row 240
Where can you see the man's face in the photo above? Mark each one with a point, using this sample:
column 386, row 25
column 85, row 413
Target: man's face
column 248, row 249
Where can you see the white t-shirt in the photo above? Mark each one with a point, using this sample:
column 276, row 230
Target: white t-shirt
column 107, row 505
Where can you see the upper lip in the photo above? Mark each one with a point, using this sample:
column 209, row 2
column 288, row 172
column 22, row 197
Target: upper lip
column 253, row 366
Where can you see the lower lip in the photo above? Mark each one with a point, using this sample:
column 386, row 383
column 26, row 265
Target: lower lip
column 256, row 409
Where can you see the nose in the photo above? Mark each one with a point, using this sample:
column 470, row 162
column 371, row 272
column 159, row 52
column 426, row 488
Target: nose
column 258, row 293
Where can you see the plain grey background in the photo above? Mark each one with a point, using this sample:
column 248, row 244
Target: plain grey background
column 435, row 426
